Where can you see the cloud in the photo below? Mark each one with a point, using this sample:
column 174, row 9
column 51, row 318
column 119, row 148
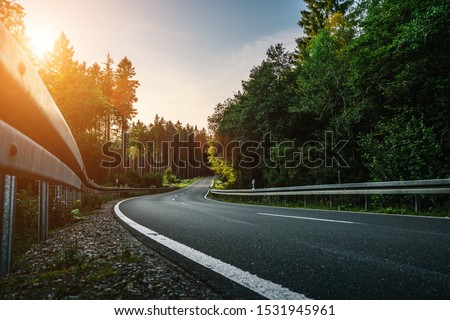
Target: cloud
column 255, row 51
column 190, row 92
column 190, row 89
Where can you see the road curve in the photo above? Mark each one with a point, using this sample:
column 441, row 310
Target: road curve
column 304, row 253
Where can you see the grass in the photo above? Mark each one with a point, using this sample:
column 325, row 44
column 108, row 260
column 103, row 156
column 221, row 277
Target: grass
column 185, row 182
column 324, row 205
column 103, row 272
column 219, row 185
column 128, row 257
column 70, row 272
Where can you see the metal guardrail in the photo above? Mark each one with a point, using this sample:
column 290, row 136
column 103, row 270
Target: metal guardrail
column 27, row 106
column 435, row 186
column 415, row 187
column 35, row 143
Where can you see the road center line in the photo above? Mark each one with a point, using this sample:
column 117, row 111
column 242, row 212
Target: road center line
column 261, row 286
column 306, row 218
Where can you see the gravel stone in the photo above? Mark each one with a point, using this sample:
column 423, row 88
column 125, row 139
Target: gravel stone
column 96, row 258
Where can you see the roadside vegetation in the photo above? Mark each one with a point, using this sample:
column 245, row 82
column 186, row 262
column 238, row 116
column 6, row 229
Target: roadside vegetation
column 370, row 74
column 364, row 97
column 378, row 204
column 62, row 215
column 96, row 258
column 388, row 204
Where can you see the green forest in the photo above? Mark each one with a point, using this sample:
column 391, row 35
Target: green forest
column 364, row 97
column 372, row 73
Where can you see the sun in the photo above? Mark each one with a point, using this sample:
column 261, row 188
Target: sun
column 40, row 44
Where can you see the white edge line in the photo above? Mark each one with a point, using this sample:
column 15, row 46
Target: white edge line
column 263, row 287
column 306, row 218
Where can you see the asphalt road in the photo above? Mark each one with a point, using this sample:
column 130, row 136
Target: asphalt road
column 320, row 254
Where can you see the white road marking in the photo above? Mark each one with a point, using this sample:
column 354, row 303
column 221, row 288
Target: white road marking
column 261, row 286
column 306, row 218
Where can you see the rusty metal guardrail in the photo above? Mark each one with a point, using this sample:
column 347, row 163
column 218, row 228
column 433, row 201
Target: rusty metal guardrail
column 35, row 143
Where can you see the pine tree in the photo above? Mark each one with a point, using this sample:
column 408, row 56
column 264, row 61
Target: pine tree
column 314, row 19
column 107, row 87
column 59, row 63
column 124, row 96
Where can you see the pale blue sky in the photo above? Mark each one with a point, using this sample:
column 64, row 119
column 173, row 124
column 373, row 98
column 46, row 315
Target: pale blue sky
column 189, row 54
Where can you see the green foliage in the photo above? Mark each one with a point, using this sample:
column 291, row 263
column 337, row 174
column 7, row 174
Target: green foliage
column 70, row 255
column 127, row 257
column 221, row 166
column 169, row 177
column 153, row 179
column 124, row 94
column 403, row 150
column 25, row 221
column 399, row 62
column 316, row 17
column 399, row 75
column 374, row 72
column 185, row 182
column 26, row 210
column 76, row 214
column 90, row 145
column 103, row 272
column 323, row 83
column 132, row 180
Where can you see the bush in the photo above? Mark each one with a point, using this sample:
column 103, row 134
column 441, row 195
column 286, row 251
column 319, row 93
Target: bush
column 169, row 177
column 152, row 179
column 130, row 179
column 26, row 210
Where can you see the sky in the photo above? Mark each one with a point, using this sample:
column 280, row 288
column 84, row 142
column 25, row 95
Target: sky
column 189, row 55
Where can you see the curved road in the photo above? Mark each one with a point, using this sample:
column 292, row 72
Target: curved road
column 318, row 254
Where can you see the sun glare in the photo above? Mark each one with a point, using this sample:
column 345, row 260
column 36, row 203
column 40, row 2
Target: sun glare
column 40, row 44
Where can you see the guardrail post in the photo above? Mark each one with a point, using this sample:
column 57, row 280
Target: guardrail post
column 366, row 201
column 417, row 203
column 66, row 198
column 7, row 207
column 43, row 200
column 58, row 196
column 74, row 198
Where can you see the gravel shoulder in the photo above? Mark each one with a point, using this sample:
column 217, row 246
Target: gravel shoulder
column 96, row 259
